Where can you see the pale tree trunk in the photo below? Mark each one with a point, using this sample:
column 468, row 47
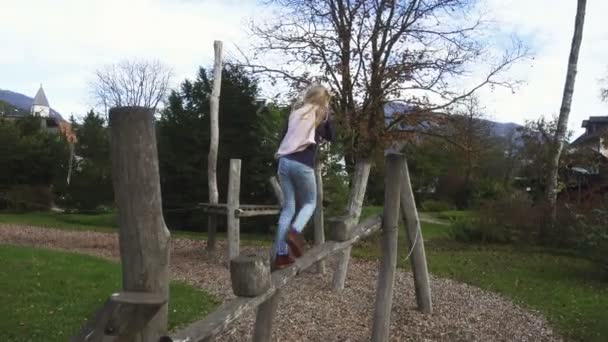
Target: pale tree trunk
column 319, row 213
column 564, row 112
column 214, row 143
column 353, row 212
column 143, row 236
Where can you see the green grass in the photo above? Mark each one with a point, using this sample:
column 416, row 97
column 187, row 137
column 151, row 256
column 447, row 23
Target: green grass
column 453, row 215
column 100, row 223
column 566, row 289
column 47, row 295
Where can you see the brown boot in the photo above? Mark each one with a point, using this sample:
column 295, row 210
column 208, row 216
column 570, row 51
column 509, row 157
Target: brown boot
column 282, row 261
column 296, row 242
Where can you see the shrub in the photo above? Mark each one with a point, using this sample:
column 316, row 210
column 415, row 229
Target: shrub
column 435, row 205
column 29, row 198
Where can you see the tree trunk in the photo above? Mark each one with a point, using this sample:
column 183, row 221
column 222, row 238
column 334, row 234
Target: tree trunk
column 416, row 243
column 388, row 264
column 232, row 205
column 355, row 205
column 319, row 214
column 214, row 143
column 143, row 236
column 564, row 112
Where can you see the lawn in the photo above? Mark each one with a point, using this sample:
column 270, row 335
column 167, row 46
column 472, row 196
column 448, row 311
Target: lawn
column 47, row 295
column 567, row 290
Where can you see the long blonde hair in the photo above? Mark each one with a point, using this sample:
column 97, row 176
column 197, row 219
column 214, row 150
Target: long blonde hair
column 317, row 96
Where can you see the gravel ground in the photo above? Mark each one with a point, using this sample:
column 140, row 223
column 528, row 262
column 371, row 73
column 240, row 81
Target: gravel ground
column 310, row 311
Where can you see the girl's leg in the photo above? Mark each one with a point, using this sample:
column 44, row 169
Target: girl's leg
column 306, row 189
column 288, row 209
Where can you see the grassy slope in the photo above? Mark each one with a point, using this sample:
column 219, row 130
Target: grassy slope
column 47, row 295
column 569, row 291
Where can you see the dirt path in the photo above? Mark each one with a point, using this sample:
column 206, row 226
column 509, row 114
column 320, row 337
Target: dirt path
column 310, row 311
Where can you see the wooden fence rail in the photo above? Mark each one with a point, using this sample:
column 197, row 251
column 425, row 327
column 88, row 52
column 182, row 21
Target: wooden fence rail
column 229, row 312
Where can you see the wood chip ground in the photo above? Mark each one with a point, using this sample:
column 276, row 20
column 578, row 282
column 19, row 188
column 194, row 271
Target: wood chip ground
column 310, row 311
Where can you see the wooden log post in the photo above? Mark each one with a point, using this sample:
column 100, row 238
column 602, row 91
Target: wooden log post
column 388, row 265
column 143, row 236
column 214, row 143
column 416, row 243
column 319, row 213
column 355, row 205
column 250, row 275
column 233, row 204
column 266, row 312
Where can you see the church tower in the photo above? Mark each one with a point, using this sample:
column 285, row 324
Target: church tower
column 41, row 104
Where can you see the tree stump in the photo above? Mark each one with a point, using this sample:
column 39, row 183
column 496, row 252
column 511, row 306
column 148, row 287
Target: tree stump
column 250, row 275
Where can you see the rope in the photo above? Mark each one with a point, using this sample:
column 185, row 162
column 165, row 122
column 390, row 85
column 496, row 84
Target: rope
column 413, row 245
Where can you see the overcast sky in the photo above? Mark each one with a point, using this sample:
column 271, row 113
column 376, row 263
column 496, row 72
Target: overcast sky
column 60, row 43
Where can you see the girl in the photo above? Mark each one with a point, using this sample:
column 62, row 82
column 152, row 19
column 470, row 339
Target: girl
column 307, row 126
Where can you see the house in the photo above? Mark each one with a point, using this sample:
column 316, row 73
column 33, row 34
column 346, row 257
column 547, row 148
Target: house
column 595, row 136
column 588, row 161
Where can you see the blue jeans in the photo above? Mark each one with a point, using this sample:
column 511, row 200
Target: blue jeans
column 296, row 179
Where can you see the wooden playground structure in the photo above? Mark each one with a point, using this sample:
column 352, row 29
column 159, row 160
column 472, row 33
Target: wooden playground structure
column 139, row 311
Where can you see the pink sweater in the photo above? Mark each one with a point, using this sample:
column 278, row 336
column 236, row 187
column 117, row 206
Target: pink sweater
column 300, row 131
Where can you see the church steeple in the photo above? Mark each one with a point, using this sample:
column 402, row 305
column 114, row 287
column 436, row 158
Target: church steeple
column 41, row 105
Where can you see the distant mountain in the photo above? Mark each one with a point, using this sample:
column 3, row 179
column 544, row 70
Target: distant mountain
column 499, row 129
column 22, row 102
column 10, row 110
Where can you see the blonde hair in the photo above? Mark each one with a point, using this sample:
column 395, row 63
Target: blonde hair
column 317, row 96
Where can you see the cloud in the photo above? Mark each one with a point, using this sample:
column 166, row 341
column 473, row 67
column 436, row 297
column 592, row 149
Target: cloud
column 60, row 43
column 548, row 26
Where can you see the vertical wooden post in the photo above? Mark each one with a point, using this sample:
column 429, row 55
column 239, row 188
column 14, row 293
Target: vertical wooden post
column 276, row 188
column 264, row 318
column 267, row 310
column 214, row 142
column 233, row 204
column 319, row 215
column 388, row 265
column 355, row 205
column 143, row 236
column 416, row 243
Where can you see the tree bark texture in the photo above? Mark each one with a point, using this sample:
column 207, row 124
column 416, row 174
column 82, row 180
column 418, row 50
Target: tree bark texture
column 214, row 142
column 564, row 113
column 355, row 205
column 143, row 236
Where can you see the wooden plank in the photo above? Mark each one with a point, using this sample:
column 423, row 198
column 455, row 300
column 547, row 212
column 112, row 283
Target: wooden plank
column 143, row 236
column 416, row 243
column 259, row 212
column 233, row 203
column 388, row 263
column 121, row 318
column 230, row 311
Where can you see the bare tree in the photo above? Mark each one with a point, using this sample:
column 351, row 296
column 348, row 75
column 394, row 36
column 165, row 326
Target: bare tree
column 564, row 112
column 371, row 51
column 131, row 83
